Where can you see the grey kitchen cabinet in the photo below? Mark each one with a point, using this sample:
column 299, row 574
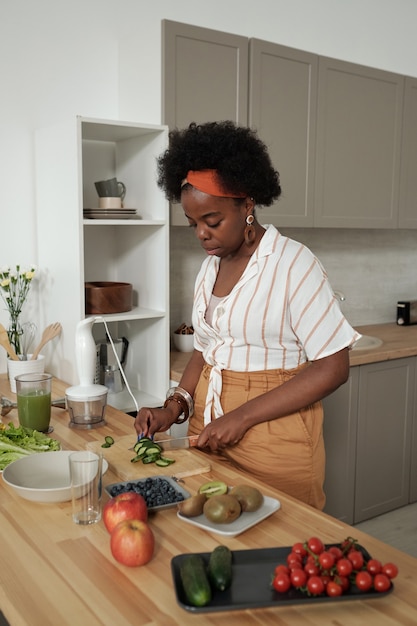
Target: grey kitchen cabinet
column 282, row 107
column 408, row 178
column 340, row 431
column 204, row 78
column 367, row 429
column 385, row 415
column 343, row 136
column 413, row 461
column 359, row 123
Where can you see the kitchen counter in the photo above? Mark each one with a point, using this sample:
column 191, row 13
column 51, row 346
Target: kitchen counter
column 55, row 572
column 397, row 342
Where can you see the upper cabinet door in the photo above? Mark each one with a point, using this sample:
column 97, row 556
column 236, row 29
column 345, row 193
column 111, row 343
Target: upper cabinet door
column 408, row 181
column 358, row 146
column 204, row 78
column 282, row 108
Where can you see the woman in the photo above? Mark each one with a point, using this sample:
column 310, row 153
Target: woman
column 270, row 340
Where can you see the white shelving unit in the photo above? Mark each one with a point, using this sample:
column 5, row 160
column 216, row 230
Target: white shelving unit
column 72, row 250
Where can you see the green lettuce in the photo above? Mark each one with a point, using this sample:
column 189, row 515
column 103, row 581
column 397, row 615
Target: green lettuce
column 18, row 441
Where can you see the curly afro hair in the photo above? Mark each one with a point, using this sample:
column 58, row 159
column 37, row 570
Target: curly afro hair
column 236, row 152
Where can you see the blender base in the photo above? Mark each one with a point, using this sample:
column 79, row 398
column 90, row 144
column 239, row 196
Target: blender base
column 87, row 426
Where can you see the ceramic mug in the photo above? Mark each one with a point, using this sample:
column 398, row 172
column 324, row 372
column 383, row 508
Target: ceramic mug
column 108, row 202
column 111, row 188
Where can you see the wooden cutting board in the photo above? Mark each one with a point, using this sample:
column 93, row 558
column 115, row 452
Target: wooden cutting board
column 119, row 458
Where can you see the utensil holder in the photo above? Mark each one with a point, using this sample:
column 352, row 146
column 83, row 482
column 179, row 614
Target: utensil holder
column 15, row 368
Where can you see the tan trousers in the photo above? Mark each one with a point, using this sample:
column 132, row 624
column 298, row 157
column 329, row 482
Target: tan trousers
column 286, row 453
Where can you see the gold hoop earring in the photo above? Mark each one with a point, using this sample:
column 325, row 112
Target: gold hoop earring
column 250, row 230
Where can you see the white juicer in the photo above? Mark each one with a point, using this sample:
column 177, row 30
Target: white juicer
column 86, row 402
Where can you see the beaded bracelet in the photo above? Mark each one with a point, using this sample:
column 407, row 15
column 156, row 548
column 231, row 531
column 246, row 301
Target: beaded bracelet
column 183, row 393
column 184, row 409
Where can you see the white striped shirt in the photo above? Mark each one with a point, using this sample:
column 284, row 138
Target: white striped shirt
column 281, row 313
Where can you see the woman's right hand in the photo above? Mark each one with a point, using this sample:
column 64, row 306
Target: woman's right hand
column 150, row 420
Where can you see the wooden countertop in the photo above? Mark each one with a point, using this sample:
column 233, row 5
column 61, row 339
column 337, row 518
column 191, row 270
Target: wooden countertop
column 398, row 342
column 55, row 572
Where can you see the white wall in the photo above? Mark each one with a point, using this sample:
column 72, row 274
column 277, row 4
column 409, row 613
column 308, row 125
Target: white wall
column 102, row 58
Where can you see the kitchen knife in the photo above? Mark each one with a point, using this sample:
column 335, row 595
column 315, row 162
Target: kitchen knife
column 176, row 443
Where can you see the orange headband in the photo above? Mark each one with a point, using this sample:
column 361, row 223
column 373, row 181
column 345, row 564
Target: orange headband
column 208, row 182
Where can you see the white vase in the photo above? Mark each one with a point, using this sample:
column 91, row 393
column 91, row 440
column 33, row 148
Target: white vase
column 15, row 368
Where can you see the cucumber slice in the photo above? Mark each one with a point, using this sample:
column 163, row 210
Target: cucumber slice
column 151, row 458
column 163, row 462
column 153, row 450
column 148, row 442
column 137, row 458
column 140, row 449
column 143, row 443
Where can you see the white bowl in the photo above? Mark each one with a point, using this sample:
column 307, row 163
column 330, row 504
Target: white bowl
column 183, row 343
column 42, row 477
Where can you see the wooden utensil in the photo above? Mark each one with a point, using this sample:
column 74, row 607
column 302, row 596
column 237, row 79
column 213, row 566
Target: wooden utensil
column 4, row 341
column 49, row 333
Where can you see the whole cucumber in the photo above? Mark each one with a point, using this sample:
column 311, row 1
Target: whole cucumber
column 194, row 580
column 220, row 568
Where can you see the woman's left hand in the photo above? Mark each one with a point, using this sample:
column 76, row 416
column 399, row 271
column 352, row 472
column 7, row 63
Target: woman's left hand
column 223, row 432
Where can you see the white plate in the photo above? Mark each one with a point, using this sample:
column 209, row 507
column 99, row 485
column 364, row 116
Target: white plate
column 243, row 522
column 112, row 216
column 42, row 477
column 109, row 210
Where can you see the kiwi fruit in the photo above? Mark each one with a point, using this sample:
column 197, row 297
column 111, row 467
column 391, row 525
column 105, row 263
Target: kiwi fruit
column 213, row 488
column 222, row 509
column 193, row 506
column 250, row 498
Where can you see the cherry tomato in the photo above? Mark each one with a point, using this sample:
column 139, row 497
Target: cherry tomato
column 281, row 583
column 337, row 553
column 315, row 585
column 281, row 569
column 298, row 578
column 293, row 557
column 363, row 580
column 315, row 545
column 334, row 589
column 326, row 578
column 374, row 566
column 390, row 570
column 326, row 560
column 343, row 581
column 356, row 558
column 344, row 567
column 381, row 583
column 311, row 569
column 294, row 566
column 347, row 545
column 299, row 548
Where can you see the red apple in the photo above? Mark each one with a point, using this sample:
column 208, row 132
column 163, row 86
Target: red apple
column 132, row 543
column 128, row 505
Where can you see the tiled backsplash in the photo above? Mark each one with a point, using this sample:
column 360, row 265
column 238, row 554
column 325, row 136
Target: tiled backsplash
column 373, row 268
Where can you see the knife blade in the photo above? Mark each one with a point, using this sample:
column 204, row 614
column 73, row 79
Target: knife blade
column 176, row 443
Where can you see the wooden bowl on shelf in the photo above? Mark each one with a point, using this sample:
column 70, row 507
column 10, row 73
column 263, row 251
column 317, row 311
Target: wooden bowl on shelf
column 108, row 297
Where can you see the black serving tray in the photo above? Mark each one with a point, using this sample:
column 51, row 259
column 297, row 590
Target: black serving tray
column 251, row 583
